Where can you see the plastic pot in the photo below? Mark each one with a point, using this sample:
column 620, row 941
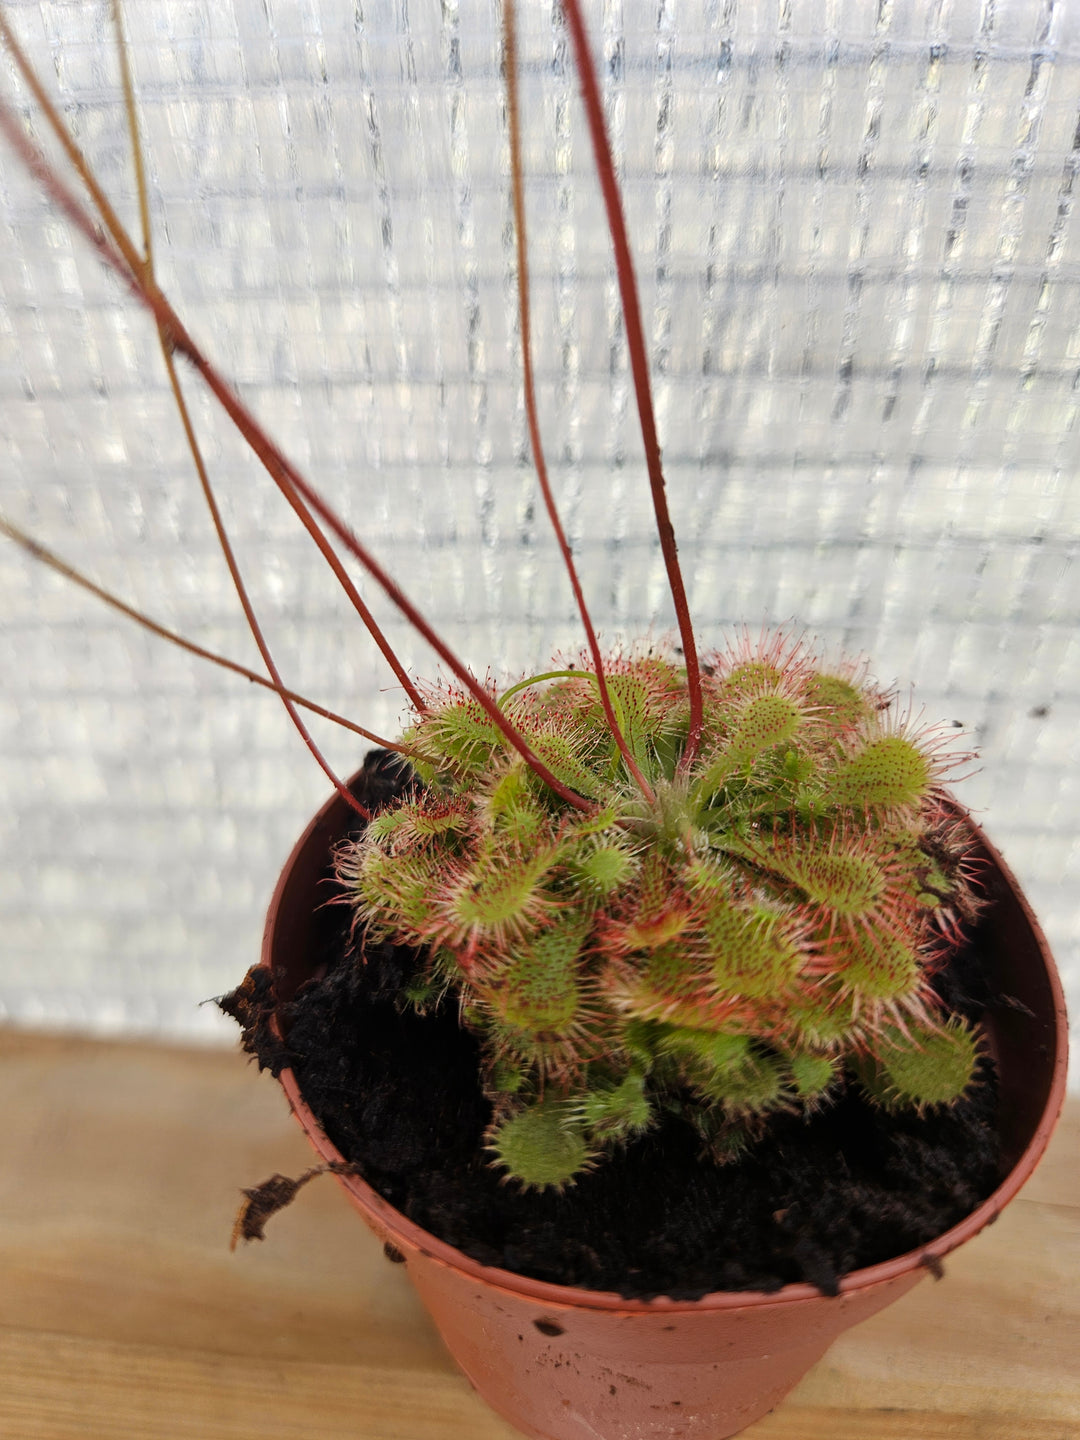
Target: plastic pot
column 566, row 1364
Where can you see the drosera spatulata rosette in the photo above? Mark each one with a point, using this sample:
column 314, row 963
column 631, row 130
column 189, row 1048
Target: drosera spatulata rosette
column 762, row 931
column 720, row 885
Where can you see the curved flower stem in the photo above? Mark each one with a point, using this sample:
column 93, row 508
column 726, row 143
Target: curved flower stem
column 241, row 589
column 524, row 312
column 281, row 470
column 49, row 558
column 136, row 264
column 531, row 680
column 639, row 364
column 196, row 450
column 131, row 111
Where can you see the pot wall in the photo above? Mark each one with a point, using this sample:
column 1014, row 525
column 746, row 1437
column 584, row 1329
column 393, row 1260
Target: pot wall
column 696, row 1374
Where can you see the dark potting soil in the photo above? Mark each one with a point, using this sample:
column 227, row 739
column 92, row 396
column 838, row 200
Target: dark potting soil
column 399, row 1096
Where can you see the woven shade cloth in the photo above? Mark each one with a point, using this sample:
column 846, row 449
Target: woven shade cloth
column 859, row 256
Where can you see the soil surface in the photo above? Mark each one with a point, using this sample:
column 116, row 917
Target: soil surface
column 399, row 1096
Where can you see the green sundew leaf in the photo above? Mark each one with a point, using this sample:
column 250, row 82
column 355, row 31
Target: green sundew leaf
column 462, row 734
column 812, row 1074
column 397, row 893
column 719, row 772
column 412, row 825
column 475, row 1017
column 561, row 758
column 601, row 869
column 616, row 1113
column 705, row 1054
column 667, row 972
column 507, row 1077
column 653, row 929
column 444, row 965
column 541, row 1146
column 512, row 789
column 728, row 1141
column 666, row 679
column 540, row 989
column 933, row 1067
column 752, row 677
column 597, row 823
column 630, row 702
column 504, row 891
column 419, row 993
column 707, row 879
column 573, row 700
column 387, row 822
column 767, row 721
column 828, row 1021
column 750, row 948
column 657, row 899
column 522, row 826
column 877, row 965
column 430, row 988
column 849, row 883
column 526, row 827
column 798, row 768
column 840, row 704
column 433, row 824
column 641, row 1040
column 669, row 746
column 779, row 785
column 888, row 772
column 753, row 1088
column 668, row 986
column 764, row 783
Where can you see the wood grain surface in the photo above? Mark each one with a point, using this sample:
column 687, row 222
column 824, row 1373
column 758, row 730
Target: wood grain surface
column 123, row 1313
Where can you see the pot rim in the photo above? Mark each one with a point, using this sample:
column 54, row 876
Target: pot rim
column 392, row 1225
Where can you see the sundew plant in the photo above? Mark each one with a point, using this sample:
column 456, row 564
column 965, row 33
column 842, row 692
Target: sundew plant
column 653, row 878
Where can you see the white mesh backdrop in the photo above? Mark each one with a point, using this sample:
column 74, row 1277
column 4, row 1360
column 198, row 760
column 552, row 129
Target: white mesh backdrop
column 859, row 255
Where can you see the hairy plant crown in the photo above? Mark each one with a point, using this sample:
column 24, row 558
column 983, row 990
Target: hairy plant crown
column 760, row 930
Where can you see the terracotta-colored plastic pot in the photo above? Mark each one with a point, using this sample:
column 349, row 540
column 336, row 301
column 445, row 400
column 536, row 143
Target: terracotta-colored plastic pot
column 565, row 1364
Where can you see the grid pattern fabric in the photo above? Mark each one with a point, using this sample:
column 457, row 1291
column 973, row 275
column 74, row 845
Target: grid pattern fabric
column 858, row 246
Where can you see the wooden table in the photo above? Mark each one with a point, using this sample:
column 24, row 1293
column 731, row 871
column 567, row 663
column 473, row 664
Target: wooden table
column 124, row 1316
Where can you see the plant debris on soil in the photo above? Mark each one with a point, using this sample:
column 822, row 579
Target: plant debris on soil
column 399, row 1095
